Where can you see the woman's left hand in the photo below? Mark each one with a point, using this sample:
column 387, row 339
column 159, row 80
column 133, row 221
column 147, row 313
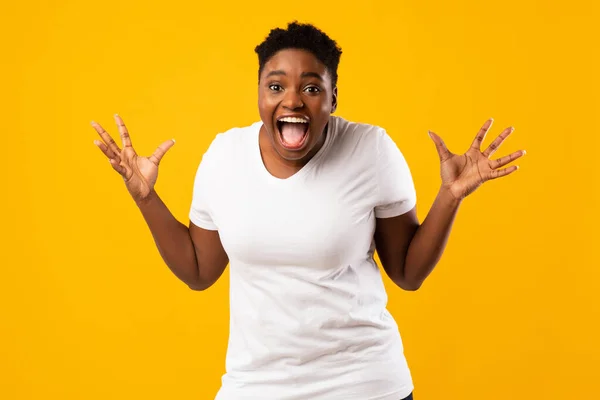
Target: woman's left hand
column 462, row 174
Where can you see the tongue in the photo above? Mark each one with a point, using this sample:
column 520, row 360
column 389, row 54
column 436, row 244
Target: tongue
column 292, row 133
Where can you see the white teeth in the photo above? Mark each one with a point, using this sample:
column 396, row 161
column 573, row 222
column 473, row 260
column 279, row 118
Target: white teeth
column 294, row 120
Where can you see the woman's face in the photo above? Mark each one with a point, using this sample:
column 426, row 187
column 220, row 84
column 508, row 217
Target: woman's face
column 295, row 99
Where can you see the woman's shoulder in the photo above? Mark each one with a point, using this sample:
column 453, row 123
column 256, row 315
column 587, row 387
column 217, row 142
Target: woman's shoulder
column 356, row 134
column 357, row 130
column 234, row 138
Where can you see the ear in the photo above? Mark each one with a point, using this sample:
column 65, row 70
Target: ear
column 334, row 101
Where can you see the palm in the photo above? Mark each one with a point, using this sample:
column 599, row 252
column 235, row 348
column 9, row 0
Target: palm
column 139, row 173
column 462, row 174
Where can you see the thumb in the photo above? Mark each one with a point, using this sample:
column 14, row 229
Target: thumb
column 440, row 146
column 161, row 151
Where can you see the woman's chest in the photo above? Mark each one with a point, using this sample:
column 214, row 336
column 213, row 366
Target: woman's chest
column 304, row 224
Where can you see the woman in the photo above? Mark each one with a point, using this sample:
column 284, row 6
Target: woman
column 297, row 204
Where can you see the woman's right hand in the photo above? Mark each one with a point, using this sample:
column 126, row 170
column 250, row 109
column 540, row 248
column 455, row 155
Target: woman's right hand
column 139, row 173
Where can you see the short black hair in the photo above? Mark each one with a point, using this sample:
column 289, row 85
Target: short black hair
column 304, row 37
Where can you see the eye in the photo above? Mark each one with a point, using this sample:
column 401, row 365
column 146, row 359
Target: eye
column 312, row 89
column 275, row 87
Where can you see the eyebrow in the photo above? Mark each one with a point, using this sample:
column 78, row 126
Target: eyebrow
column 279, row 72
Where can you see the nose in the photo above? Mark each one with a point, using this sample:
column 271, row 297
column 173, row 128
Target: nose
column 292, row 100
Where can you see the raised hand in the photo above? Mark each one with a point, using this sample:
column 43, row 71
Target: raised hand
column 139, row 173
column 462, row 174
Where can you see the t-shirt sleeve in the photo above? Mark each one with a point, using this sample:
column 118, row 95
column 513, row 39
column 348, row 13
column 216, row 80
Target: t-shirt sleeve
column 396, row 193
column 200, row 210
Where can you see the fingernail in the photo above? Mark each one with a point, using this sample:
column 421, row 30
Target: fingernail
column 116, row 115
column 92, row 123
column 524, row 152
column 96, row 142
column 173, row 140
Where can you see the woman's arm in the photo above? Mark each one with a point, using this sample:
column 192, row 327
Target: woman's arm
column 409, row 251
column 195, row 255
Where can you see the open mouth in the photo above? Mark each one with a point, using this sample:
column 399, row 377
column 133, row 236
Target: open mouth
column 293, row 132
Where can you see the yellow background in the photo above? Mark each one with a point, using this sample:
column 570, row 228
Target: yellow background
column 89, row 311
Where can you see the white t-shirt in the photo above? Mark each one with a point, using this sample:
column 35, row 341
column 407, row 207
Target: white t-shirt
column 308, row 317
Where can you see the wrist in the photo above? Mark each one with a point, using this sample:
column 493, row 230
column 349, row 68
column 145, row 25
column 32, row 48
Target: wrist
column 146, row 200
column 447, row 196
